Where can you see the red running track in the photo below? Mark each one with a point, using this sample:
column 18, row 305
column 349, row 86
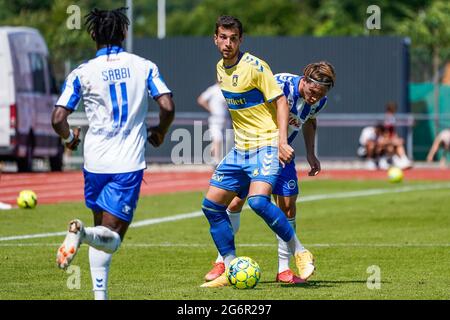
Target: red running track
column 68, row 186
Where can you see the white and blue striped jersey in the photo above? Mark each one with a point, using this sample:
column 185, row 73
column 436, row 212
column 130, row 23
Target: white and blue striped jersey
column 300, row 111
column 114, row 88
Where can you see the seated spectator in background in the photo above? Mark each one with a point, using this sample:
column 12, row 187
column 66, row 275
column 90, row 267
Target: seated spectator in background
column 369, row 147
column 442, row 140
column 392, row 143
column 381, row 149
column 393, row 151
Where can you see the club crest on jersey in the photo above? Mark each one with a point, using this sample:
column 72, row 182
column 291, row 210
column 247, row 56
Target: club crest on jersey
column 235, row 80
column 255, row 172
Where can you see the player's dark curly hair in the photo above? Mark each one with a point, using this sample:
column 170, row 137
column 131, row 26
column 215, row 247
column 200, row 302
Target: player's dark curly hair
column 229, row 22
column 107, row 27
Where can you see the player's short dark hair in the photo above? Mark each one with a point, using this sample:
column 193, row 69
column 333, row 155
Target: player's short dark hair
column 107, row 27
column 229, row 22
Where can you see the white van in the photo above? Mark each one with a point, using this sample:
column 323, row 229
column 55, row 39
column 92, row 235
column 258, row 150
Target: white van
column 27, row 96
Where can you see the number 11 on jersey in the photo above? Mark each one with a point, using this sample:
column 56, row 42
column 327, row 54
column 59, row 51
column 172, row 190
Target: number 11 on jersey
column 123, row 113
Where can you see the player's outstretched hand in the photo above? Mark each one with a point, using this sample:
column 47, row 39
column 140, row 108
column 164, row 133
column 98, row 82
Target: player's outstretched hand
column 73, row 145
column 156, row 136
column 285, row 153
column 315, row 165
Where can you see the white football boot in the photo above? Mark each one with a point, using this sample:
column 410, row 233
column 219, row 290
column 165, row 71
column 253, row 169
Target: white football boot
column 69, row 247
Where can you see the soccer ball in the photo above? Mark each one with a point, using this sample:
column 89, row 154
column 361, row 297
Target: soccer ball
column 27, row 199
column 243, row 273
column 395, row 174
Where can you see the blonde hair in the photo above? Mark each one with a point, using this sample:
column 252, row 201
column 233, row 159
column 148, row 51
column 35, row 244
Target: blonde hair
column 322, row 72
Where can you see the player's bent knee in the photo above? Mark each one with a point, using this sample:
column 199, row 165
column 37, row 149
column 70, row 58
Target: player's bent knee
column 236, row 205
column 114, row 247
column 213, row 211
column 259, row 203
column 290, row 213
column 113, row 240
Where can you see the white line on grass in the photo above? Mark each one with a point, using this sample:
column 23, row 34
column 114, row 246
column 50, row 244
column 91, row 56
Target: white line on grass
column 33, row 236
column 203, row 245
column 339, row 195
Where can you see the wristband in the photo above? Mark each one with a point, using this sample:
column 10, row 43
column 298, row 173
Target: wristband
column 70, row 137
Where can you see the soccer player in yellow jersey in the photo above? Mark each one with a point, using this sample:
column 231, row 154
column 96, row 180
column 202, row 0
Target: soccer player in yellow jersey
column 306, row 95
column 260, row 116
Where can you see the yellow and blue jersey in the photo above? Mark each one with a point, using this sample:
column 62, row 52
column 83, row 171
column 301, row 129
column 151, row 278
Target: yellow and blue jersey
column 249, row 88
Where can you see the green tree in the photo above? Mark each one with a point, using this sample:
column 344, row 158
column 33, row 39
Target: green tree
column 50, row 18
column 429, row 29
column 260, row 17
column 274, row 17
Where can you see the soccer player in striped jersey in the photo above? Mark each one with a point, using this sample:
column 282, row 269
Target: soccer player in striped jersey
column 260, row 116
column 114, row 87
column 306, row 96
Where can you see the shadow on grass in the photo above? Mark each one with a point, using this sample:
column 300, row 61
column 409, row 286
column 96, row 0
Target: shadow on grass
column 316, row 284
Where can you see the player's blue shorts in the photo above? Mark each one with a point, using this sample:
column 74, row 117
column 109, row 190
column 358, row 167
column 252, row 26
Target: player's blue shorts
column 115, row 193
column 287, row 183
column 239, row 168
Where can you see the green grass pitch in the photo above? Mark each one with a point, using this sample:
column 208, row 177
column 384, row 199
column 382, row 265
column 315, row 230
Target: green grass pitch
column 406, row 235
